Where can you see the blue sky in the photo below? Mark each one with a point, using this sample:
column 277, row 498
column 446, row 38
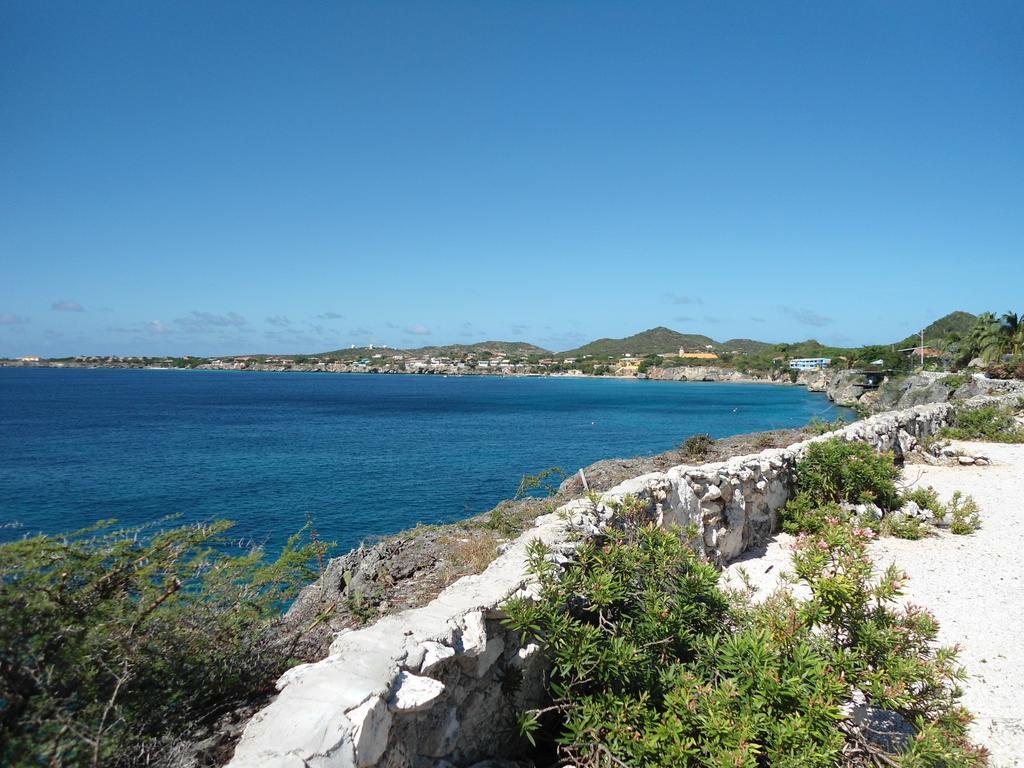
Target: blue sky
column 227, row 177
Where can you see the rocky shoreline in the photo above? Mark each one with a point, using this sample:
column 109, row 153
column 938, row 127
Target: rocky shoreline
column 853, row 390
column 815, row 381
column 420, row 686
column 409, row 568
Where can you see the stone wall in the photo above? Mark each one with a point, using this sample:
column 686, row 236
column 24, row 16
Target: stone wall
column 429, row 687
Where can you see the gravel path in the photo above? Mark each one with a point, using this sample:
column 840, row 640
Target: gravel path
column 973, row 584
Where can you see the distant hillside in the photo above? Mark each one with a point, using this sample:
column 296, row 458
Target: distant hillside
column 511, row 348
column 814, row 348
column 661, row 340
column 355, row 353
column 745, row 346
column 955, row 322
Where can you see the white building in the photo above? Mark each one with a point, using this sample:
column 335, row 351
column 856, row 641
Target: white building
column 810, row 363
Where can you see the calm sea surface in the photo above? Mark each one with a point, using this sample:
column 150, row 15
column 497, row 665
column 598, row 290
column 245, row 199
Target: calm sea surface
column 363, row 454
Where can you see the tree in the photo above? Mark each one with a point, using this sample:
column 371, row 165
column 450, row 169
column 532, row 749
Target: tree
column 1012, row 330
column 114, row 643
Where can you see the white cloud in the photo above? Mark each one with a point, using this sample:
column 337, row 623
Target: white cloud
column 201, row 322
column 6, row 318
column 676, row 298
column 67, row 306
column 417, row 329
column 807, row 317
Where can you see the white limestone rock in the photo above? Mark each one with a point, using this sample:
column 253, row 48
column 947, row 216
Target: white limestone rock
column 433, row 654
column 477, row 645
column 371, row 724
column 414, row 692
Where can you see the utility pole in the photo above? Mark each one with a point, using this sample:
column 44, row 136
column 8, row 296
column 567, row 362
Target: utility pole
column 922, row 349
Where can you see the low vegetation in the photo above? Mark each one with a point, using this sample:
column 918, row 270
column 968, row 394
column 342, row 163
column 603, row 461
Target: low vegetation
column 652, row 664
column 819, row 426
column 114, row 643
column 835, row 471
column 842, row 483
column 965, row 517
column 990, row 423
column 698, row 447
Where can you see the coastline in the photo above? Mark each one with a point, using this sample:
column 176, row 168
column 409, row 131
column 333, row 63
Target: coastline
column 702, row 374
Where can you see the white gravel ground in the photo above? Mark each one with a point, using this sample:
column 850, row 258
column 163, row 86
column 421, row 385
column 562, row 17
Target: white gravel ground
column 973, row 584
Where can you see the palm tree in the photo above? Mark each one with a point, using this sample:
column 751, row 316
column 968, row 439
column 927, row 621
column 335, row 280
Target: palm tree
column 1013, row 332
column 983, row 338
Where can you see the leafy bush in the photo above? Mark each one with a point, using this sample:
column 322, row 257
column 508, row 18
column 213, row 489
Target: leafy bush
column 954, row 381
column 903, row 527
column 926, row 497
column 802, row 515
column 990, row 423
column 652, row 665
column 835, row 471
column 114, row 642
column 964, row 513
column 545, row 482
column 698, row 446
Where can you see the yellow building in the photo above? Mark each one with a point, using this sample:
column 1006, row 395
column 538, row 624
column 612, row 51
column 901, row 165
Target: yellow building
column 697, row 355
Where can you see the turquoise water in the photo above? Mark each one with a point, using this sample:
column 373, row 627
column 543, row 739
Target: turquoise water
column 365, row 455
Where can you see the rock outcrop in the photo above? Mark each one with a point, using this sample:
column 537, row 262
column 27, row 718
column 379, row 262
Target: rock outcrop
column 846, row 387
column 703, row 373
column 849, row 388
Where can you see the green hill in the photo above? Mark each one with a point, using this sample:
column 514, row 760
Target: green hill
column 653, row 341
column 509, row 348
column 955, row 322
column 745, row 346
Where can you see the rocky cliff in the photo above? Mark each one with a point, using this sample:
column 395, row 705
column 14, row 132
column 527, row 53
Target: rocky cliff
column 849, row 388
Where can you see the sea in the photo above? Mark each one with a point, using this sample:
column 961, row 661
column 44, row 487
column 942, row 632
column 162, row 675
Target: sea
column 361, row 455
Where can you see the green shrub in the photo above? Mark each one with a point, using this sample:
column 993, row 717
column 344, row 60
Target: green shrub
column 926, row 498
column 545, row 481
column 651, row 664
column 903, row 527
column 698, row 446
column 954, row 381
column 835, row 471
column 113, row 642
column 964, row 513
column 990, row 423
column 802, row 515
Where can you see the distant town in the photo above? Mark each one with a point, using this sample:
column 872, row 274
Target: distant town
column 386, row 360
column 948, row 344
